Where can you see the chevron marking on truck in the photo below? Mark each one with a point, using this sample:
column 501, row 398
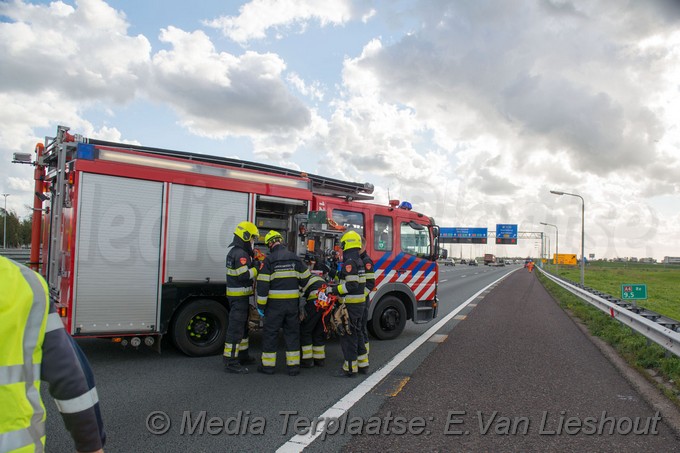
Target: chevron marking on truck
column 419, row 274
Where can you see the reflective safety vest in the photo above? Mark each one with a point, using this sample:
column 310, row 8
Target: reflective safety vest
column 23, row 319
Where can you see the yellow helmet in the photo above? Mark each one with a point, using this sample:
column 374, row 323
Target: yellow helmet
column 273, row 236
column 247, row 231
column 350, row 240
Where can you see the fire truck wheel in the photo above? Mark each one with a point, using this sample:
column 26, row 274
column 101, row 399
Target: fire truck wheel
column 389, row 318
column 199, row 328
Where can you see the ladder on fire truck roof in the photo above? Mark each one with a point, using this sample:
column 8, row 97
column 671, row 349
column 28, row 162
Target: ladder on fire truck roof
column 321, row 185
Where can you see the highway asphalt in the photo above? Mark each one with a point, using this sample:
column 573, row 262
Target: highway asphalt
column 509, row 348
column 517, row 374
column 138, row 388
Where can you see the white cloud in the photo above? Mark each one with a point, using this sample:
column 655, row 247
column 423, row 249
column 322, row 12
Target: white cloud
column 472, row 110
column 217, row 94
column 313, row 90
column 83, row 52
column 258, row 16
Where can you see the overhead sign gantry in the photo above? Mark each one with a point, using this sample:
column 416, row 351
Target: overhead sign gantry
column 506, row 233
column 463, row 235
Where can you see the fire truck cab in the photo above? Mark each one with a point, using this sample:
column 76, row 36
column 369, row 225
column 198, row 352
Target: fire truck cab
column 134, row 239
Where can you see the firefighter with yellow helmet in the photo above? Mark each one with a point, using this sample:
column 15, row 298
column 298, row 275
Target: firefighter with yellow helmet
column 278, row 294
column 351, row 292
column 242, row 270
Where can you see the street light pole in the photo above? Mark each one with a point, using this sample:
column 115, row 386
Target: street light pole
column 4, row 228
column 583, row 230
column 557, row 246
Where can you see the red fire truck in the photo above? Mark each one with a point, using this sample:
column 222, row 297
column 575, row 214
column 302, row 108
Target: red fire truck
column 133, row 239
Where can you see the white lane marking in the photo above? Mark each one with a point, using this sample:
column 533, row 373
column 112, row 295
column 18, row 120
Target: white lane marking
column 299, row 442
column 463, row 276
column 442, row 281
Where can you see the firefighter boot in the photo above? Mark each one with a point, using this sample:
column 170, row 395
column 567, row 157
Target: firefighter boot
column 245, row 359
column 233, row 366
column 320, row 362
column 307, row 363
column 293, row 370
column 265, row 369
column 344, row 374
column 363, row 370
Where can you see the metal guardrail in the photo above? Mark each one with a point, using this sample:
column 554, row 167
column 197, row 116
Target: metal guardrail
column 660, row 329
column 19, row 255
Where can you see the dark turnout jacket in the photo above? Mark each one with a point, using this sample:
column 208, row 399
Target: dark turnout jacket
column 281, row 277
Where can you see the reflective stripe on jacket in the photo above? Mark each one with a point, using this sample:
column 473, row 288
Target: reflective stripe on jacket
column 281, row 276
column 311, row 289
column 23, row 320
column 370, row 273
column 36, row 347
column 352, row 278
column 241, row 271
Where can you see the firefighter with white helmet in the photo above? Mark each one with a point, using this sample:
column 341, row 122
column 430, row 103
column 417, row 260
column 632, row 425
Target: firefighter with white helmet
column 242, row 271
column 351, row 292
column 278, row 293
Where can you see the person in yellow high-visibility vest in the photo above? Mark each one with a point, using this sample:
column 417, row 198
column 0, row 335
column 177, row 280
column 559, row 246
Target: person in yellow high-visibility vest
column 34, row 346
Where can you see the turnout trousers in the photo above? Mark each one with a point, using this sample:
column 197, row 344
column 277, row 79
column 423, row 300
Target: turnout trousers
column 281, row 314
column 352, row 345
column 364, row 325
column 312, row 335
column 236, row 340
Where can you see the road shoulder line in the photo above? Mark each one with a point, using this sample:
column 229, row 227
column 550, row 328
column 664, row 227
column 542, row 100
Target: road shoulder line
column 299, row 442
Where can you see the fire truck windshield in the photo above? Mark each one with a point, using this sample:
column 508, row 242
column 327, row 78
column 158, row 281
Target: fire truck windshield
column 415, row 240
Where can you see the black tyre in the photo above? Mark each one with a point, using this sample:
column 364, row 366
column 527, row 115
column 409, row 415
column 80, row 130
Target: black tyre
column 389, row 318
column 200, row 327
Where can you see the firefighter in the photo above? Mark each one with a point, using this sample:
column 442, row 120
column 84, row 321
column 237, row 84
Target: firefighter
column 36, row 347
column 278, row 295
column 242, row 270
column 312, row 335
column 351, row 291
column 370, row 284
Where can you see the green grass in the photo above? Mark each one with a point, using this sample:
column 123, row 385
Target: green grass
column 633, row 347
column 663, row 282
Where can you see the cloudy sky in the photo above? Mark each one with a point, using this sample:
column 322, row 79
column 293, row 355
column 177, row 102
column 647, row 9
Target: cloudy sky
column 472, row 110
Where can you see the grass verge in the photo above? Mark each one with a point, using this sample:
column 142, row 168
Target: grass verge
column 647, row 357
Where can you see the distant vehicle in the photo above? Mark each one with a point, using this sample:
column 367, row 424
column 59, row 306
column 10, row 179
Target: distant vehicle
column 508, row 261
column 463, row 261
column 447, row 262
column 489, row 259
column 472, row 263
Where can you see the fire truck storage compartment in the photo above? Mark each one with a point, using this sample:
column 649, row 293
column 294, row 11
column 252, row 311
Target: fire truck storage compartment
column 201, row 226
column 117, row 254
column 274, row 213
